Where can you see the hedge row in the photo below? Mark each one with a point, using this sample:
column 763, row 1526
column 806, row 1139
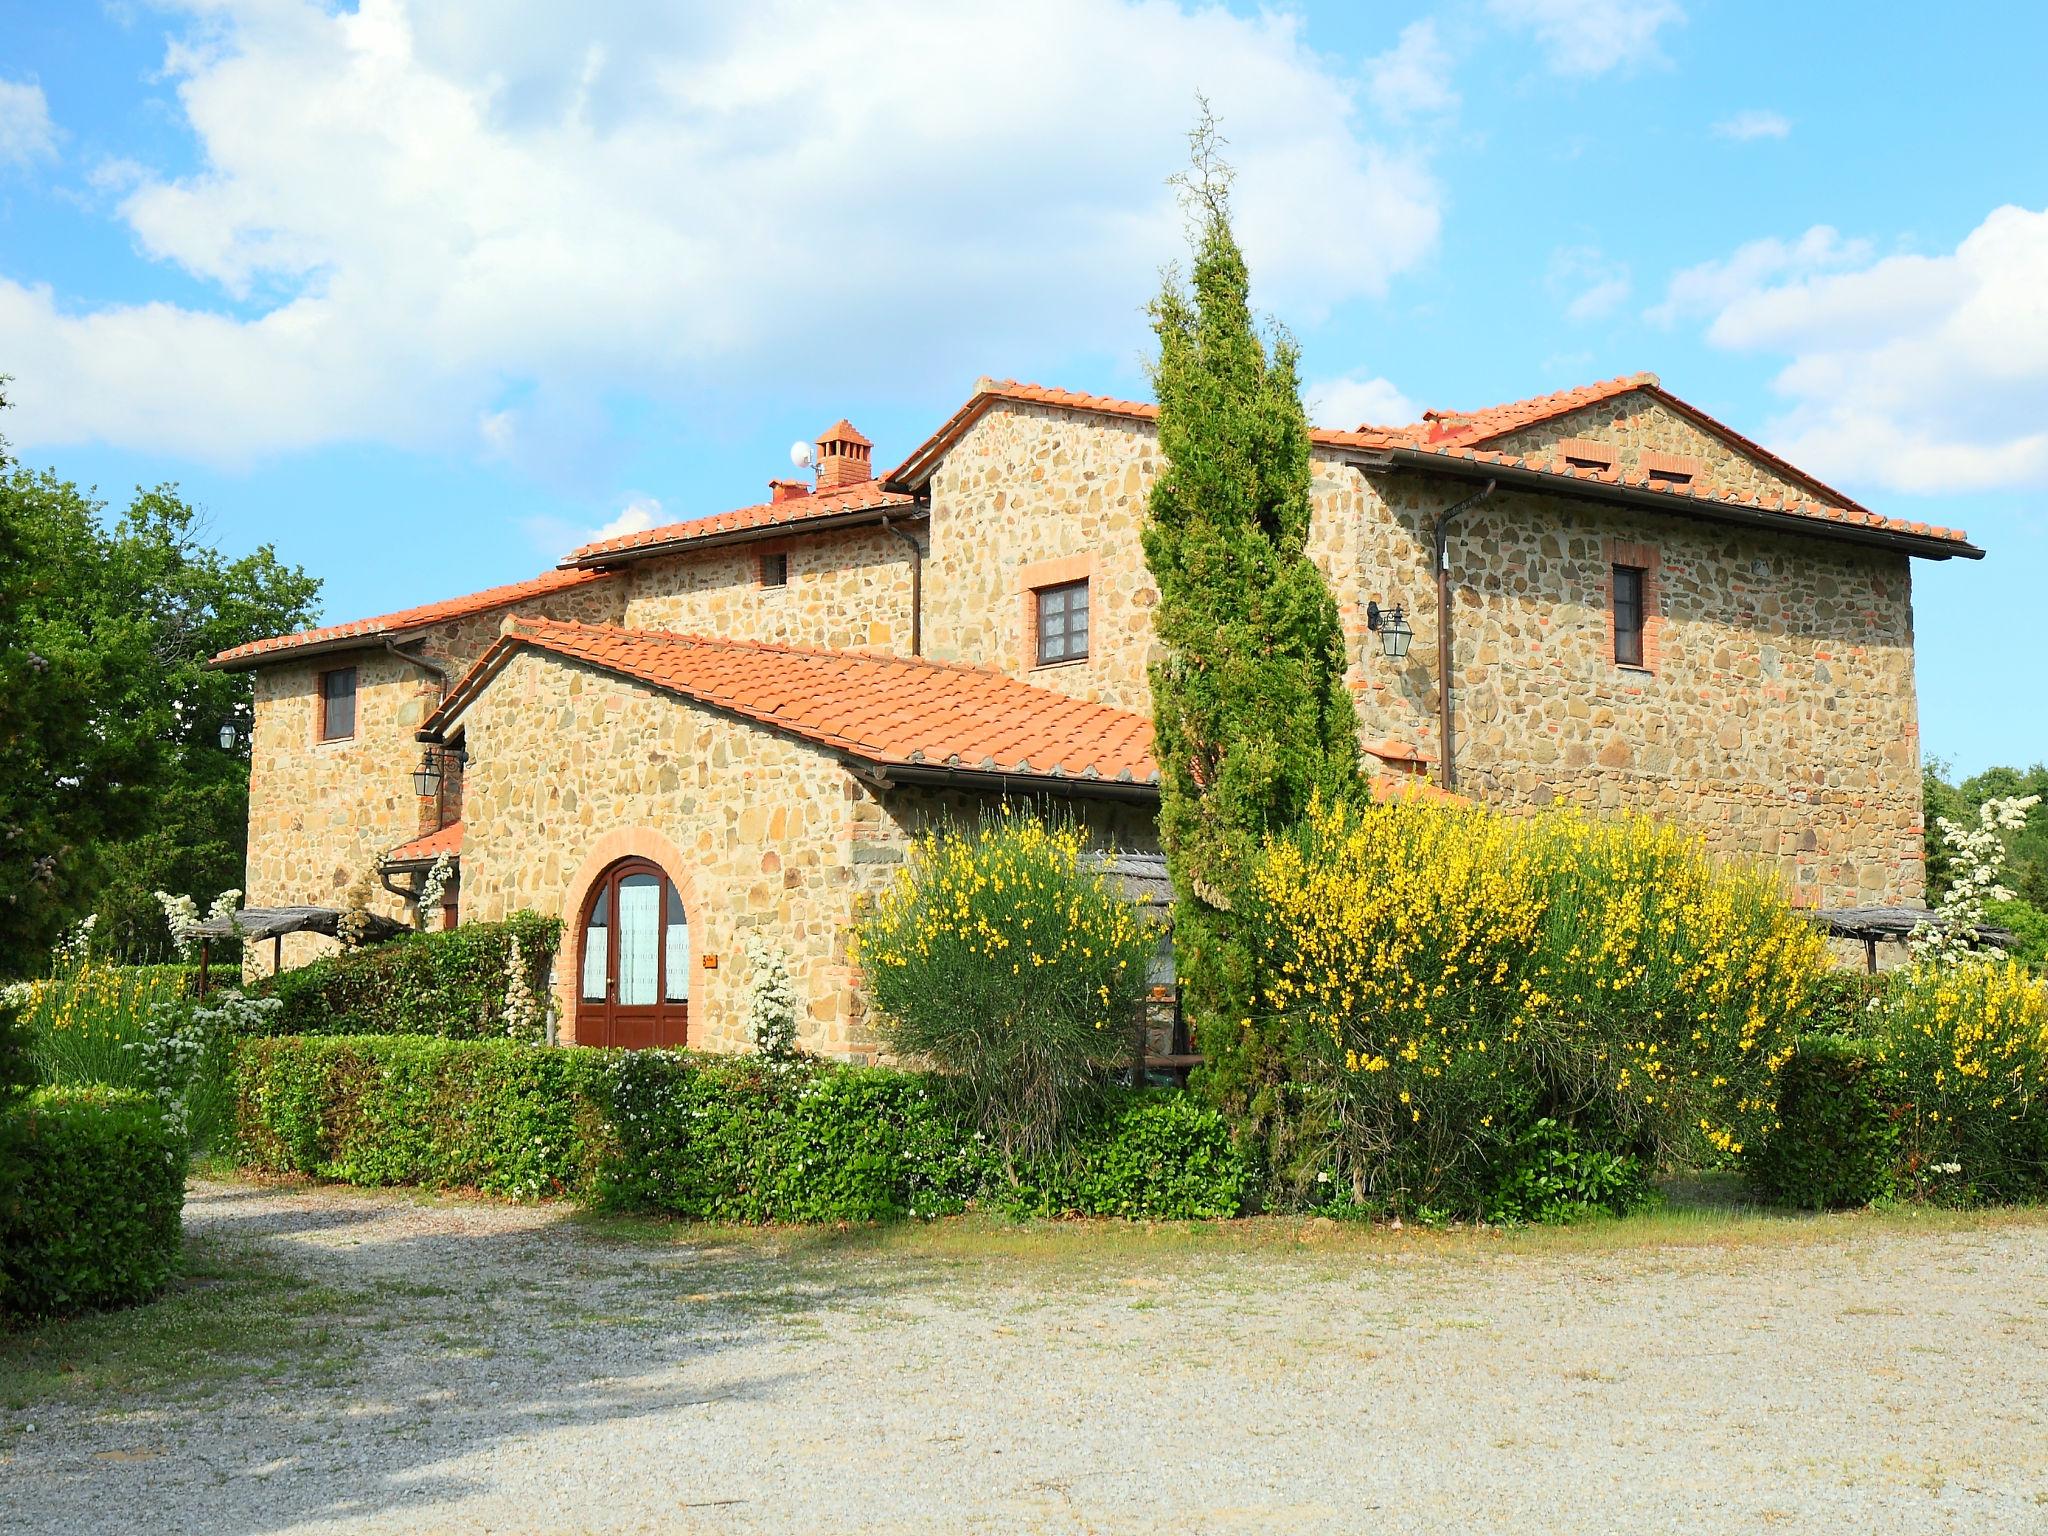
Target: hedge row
column 712, row 1138
column 91, row 1200
column 449, row 984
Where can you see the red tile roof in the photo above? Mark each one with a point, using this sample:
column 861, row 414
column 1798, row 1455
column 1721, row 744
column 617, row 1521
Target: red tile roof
column 886, row 710
column 424, row 850
column 395, row 625
column 1456, row 437
column 868, row 496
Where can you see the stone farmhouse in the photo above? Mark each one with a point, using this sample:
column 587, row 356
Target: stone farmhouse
column 737, row 723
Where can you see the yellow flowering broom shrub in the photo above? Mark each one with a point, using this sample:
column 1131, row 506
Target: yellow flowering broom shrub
column 1444, row 978
column 1961, row 1053
column 1004, row 961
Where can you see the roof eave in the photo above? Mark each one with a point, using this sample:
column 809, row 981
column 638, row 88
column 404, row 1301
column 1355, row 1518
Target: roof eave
column 1925, row 546
column 795, row 528
column 890, row 775
column 371, row 641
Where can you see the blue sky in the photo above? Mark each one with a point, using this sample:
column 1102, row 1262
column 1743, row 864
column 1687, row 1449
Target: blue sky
column 427, row 294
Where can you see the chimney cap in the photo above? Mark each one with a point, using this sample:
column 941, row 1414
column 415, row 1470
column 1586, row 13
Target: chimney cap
column 787, row 490
column 843, row 431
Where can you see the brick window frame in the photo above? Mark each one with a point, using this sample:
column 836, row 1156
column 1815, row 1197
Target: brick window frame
column 1035, row 578
column 1644, row 558
column 323, row 723
column 1671, row 468
column 1585, row 453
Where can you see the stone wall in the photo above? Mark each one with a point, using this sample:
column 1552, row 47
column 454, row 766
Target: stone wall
column 1636, row 424
column 1032, row 496
column 322, row 812
column 1777, row 712
column 847, row 591
column 570, row 767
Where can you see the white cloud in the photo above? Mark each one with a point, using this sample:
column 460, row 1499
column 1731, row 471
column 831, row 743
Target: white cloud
column 1412, row 78
column 1753, row 123
column 424, row 214
column 1713, row 285
column 554, row 536
column 1590, row 284
column 1593, row 37
column 1918, row 373
column 26, row 132
column 1354, row 400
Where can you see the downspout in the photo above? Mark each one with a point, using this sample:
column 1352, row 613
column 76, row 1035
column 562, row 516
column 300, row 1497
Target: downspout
column 1441, row 547
column 916, row 585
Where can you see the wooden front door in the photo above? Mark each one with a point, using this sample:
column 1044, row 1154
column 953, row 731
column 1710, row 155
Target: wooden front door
column 634, row 960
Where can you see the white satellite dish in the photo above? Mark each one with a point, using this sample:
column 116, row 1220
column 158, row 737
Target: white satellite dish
column 800, row 454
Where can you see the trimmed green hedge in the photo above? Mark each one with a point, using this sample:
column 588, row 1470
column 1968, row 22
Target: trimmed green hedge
column 711, row 1138
column 449, row 984
column 92, row 1216
column 1837, row 1143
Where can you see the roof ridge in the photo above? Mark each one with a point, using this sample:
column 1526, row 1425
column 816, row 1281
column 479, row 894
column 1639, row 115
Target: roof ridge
column 791, row 511
column 775, row 647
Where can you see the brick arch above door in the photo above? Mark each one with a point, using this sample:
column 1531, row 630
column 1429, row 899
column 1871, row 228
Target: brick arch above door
column 620, row 843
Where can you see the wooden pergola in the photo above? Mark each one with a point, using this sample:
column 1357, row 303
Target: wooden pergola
column 1872, row 925
column 273, row 923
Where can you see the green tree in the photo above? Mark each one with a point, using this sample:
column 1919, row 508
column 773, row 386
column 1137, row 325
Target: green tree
column 112, row 780
column 2026, row 869
column 1250, row 709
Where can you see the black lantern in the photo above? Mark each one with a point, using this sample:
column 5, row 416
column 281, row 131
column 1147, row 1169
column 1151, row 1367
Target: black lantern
column 426, row 779
column 228, row 735
column 1391, row 625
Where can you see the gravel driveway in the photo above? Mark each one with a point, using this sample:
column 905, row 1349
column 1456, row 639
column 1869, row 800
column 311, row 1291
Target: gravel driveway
column 512, row 1370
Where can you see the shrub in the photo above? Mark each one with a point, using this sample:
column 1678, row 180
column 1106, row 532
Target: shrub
column 737, row 1139
column 91, row 1218
column 83, row 1022
column 1448, row 978
column 1837, row 1141
column 1964, row 1054
column 452, row 984
column 1553, row 1172
column 2029, row 925
column 493, row 1115
column 1001, row 960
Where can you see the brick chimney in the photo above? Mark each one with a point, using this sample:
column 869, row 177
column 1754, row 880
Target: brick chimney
column 843, row 457
column 787, row 490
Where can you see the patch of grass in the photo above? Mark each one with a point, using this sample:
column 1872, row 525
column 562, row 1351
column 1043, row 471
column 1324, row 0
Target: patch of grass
column 231, row 1317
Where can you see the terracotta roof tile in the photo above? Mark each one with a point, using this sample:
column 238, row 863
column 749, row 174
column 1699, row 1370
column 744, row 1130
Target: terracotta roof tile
column 868, row 496
column 887, row 710
column 406, row 620
column 424, row 850
column 1454, row 435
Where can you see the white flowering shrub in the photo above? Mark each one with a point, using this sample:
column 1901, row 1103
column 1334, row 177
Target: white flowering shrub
column 434, row 889
column 525, row 1017
column 771, row 1001
column 181, row 916
column 1976, row 858
column 73, row 952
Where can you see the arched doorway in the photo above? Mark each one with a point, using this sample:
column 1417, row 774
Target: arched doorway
column 633, row 959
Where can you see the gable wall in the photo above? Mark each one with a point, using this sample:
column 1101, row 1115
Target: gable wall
column 774, row 838
column 322, row 812
column 848, row 590
column 1636, row 422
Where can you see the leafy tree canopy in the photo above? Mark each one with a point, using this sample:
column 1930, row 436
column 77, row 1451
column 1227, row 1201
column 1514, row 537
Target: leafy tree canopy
column 2026, row 869
column 112, row 780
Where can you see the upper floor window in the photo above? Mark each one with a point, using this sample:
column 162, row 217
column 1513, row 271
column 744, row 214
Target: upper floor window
column 338, row 704
column 1628, row 615
column 775, row 569
column 1062, row 622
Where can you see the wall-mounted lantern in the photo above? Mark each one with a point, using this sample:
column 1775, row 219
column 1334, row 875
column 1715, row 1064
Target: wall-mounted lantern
column 1391, row 625
column 228, row 735
column 426, row 779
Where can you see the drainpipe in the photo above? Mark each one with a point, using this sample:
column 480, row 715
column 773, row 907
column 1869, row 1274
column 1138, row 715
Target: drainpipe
column 1441, row 547
column 916, row 585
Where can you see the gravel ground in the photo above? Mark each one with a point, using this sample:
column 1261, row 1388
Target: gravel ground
column 512, row 1370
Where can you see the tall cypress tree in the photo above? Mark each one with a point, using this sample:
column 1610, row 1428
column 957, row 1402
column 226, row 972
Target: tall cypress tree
column 1250, row 709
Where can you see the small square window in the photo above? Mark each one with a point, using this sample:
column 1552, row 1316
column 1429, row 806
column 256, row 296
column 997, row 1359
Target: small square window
column 775, row 569
column 338, row 704
column 1628, row 615
column 1062, row 622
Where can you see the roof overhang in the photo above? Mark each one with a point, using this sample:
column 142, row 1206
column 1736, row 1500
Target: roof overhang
column 1065, row 786
column 378, row 640
column 1923, row 546
column 907, row 510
